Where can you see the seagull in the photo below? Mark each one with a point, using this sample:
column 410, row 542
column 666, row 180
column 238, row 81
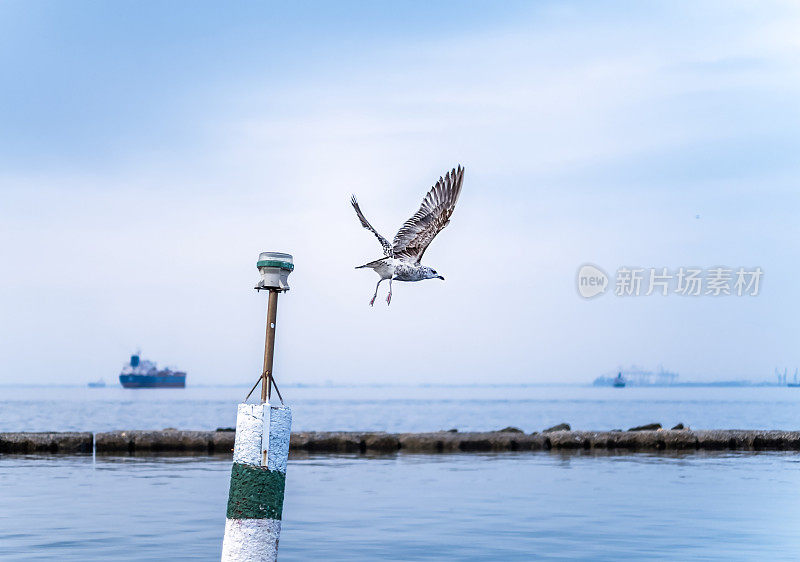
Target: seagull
column 401, row 261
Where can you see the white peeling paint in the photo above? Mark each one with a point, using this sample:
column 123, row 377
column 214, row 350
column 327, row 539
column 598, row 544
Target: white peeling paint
column 251, row 539
column 280, row 427
column 249, row 427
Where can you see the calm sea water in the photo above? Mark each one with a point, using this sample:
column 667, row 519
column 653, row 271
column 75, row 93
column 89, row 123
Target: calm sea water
column 509, row 506
column 449, row 507
column 405, row 408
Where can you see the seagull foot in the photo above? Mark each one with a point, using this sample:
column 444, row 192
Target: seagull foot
column 388, row 299
column 372, row 300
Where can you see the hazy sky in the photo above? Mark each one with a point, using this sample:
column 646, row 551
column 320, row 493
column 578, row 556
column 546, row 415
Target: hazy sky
column 150, row 151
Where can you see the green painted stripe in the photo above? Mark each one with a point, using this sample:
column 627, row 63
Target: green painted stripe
column 272, row 263
column 256, row 492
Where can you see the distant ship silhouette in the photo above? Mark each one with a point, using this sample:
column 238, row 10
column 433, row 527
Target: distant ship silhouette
column 145, row 374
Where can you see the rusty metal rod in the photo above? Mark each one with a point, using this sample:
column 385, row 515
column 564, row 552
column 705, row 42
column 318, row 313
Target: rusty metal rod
column 260, row 378
column 276, row 388
column 269, row 346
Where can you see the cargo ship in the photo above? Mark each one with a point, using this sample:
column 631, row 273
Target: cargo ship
column 140, row 373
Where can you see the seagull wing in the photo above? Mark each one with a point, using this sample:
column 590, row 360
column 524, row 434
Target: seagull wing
column 416, row 234
column 387, row 248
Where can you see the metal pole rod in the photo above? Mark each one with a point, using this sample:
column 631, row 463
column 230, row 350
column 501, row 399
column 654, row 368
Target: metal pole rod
column 269, row 346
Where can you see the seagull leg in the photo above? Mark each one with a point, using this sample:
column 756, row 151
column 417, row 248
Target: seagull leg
column 376, row 293
column 389, row 296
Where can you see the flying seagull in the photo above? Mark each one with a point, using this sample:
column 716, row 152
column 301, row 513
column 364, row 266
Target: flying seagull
column 402, row 257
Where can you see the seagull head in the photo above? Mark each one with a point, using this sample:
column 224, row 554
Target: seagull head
column 430, row 273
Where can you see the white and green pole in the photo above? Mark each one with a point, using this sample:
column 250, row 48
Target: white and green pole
column 258, row 478
column 261, row 448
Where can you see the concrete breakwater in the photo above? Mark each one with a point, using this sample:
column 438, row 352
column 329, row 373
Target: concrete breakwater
column 221, row 442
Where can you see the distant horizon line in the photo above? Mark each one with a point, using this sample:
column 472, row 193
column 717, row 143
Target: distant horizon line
column 728, row 383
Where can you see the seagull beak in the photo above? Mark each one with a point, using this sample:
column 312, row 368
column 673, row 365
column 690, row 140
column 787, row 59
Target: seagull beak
column 440, row 277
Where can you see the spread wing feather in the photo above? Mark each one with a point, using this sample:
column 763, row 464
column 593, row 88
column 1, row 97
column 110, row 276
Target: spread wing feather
column 417, row 233
column 387, row 248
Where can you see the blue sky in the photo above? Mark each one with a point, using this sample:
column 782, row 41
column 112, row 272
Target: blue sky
column 149, row 151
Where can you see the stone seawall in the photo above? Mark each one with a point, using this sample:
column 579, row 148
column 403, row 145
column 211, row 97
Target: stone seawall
column 221, row 442
column 46, row 442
